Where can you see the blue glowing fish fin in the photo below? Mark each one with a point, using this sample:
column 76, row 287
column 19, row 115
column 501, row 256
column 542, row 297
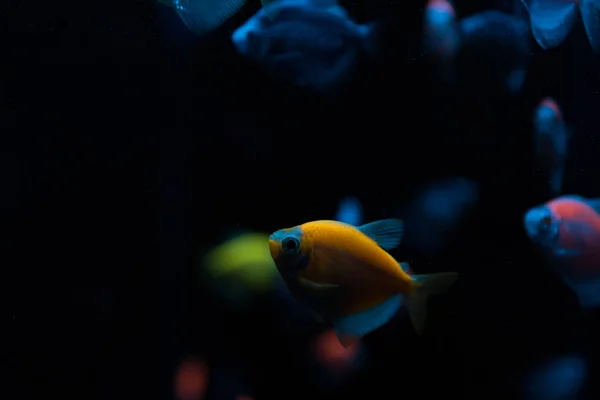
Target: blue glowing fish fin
column 350, row 328
column 594, row 203
column 269, row 11
column 337, row 10
column 563, row 252
column 590, row 14
column 426, row 285
column 323, row 3
column 556, row 180
column 316, row 286
column 405, row 267
column 386, row 232
column 573, row 197
column 552, row 20
column 349, row 211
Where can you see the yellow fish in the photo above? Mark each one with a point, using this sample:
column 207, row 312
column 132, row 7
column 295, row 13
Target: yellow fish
column 346, row 276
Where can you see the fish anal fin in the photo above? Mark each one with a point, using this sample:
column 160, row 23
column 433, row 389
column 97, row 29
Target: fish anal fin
column 354, row 326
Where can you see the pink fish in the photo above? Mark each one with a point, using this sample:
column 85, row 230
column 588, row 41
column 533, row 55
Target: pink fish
column 567, row 229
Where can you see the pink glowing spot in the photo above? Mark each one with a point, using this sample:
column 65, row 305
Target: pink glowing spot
column 331, row 353
column 191, row 379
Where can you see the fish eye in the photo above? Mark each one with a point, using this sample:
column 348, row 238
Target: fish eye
column 290, row 244
column 546, row 221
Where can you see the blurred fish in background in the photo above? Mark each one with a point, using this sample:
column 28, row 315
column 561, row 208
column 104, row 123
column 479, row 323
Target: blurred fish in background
column 503, row 41
column 552, row 20
column 567, row 231
column 441, row 38
column 560, row 378
column 551, row 137
column 499, row 41
column 308, row 43
column 191, row 379
column 350, row 211
column 204, row 16
column 336, row 363
column 241, row 268
column 436, row 210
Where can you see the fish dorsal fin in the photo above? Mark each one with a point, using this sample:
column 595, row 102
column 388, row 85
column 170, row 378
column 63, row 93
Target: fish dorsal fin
column 323, row 3
column 387, row 233
column 594, row 203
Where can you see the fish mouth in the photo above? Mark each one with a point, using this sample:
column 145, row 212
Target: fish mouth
column 273, row 248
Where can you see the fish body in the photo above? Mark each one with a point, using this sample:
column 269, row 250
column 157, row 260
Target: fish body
column 551, row 136
column 504, row 39
column 552, row 20
column 347, row 277
column 306, row 42
column 567, row 229
column 441, row 31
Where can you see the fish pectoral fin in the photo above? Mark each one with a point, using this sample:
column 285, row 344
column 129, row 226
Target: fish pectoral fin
column 350, row 328
column 317, row 286
column 387, row 233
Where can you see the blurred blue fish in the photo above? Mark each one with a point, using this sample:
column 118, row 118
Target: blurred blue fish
column 561, row 378
column 436, row 210
column 552, row 20
column 550, row 142
column 441, row 32
column 311, row 43
column 503, row 37
column 350, row 211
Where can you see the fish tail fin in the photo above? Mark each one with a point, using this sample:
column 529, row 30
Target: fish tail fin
column 556, row 180
column 590, row 14
column 426, row 285
column 371, row 39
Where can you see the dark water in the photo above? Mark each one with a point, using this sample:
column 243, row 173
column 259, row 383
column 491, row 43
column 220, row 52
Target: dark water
column 131, row 144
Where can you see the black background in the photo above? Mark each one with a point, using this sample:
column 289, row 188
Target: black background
column 128, row 142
